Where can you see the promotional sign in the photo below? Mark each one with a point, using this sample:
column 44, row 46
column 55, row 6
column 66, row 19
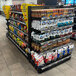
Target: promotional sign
column 6, row 10
column 24, row 8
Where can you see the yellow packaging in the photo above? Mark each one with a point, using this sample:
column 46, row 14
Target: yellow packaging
column 6, row 10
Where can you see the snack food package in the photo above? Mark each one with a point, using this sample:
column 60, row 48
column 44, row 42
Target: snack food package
column 70, row 48
column 48, row 57
column 60, row 53
column 54, row 55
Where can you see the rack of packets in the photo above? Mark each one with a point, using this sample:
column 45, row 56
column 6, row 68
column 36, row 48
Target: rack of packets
column 17, row 29
column 50, row 35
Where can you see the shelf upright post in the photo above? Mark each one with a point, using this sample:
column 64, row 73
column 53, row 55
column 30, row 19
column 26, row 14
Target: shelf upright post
column 29, row 27
column 7, row 26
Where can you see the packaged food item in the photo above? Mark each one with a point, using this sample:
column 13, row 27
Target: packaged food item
column 62, row 32
column 52, row 35
column 70, row 30
column 66, row 31
column 54, row 44
column 58, row 33
column 32, row 55
column 55, row 12
column 59, row 23
column 21, row 35
column 48, row 57
column 60, row 42
column 66, row 11
column 13, row 36
column 13, row 15
column 21, row 18
column 70, row 48
column 15, row 31
column 25, row 29
column 16, row 16
column 18, row 8
column 22, row 27
column 38, row 59
column 65, row 50
column 47, row 46
column 60, row 53
column 62, row 12
column 49, row 13
column 26, row 38
column 65, row 41
column 24, row 45
column 54, row 55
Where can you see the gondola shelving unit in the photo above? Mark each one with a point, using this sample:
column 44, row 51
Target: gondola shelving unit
column 48, row 51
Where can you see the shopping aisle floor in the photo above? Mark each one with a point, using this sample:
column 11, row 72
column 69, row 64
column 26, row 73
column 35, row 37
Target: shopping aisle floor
column 13, row 63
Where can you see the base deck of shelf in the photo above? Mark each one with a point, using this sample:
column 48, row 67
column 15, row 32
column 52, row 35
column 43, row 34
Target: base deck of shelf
column 52, row 65
column 44, row 67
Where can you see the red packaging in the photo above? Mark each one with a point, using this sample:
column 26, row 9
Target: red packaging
column 48, row 57
column 54, row 55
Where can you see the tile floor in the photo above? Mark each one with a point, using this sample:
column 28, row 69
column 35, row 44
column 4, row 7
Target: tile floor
column 13, row 63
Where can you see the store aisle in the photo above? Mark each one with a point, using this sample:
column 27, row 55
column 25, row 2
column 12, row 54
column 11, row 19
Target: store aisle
column 13, row 63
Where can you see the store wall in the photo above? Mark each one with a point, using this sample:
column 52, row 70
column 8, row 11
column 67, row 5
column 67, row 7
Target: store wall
column 18, row 1
column 10, row 2
column 3, row 2
column 31, row 1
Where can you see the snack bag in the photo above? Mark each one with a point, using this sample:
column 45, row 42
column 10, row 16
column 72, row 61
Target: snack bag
column 40, row 61
column 54, row 55
column 71, row 46
column 60, row 53
column 48, row 57
column 65, row 50
column 32, row 55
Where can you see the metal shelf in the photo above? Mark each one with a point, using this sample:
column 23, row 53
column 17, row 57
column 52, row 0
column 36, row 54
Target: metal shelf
column 50, row 65
column 44, row 42
column 18, row 21
column 16, row 12
column 18, row 37
column 36, row 18
column 44, row 67
column 18, row 29
column 55, row 63
column 17, row 46
column 43, row 31
column 55, row 48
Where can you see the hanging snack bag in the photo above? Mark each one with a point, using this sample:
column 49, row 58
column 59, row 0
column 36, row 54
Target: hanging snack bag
column 60, row 53
column 32, row 55
column 38, row 59
column 60, row 42
column 48, row 57
column 22, row 27
column 25, row 29
column 54, row 55
column 65, row 50
column 71, row 46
